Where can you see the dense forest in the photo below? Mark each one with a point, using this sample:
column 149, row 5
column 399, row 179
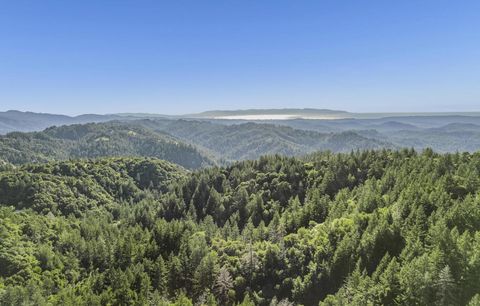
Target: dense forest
column 362, row 228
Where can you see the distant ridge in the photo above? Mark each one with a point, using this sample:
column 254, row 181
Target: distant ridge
column 263, row 114
column 14, row 120
column 314, row 114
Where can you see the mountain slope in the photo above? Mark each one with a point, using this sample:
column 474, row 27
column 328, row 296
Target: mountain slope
column 97, row 140
column 252, row 140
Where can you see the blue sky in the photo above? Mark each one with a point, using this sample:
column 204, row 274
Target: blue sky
column 177, row 57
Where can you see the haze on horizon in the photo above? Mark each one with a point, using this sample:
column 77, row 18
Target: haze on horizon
column 187, row 56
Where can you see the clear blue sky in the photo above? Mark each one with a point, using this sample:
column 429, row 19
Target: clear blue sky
column 178, row 56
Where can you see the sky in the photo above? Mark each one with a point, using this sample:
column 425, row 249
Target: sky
column 180, row 57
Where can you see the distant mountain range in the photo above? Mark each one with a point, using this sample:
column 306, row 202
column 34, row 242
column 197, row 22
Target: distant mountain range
column 13, row 120
column 221, row 136
column 310, row 113
column 271, row 114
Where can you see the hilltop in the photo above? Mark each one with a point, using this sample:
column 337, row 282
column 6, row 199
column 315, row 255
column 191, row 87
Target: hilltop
column 98, row 140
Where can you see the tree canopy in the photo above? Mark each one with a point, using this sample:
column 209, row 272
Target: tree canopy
column 362, row 228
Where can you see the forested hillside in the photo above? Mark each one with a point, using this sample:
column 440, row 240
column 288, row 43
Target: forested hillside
column 228, row 140
column 364, row 228
column 97, row 140
column 192, row 144
column 301, row 131
column 252, row 140
column 441, row 133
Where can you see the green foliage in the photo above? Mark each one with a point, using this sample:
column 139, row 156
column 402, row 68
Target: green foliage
column 79, row 187
column 364, row 228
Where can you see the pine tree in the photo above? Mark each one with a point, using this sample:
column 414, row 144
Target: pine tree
column 223, row 285
column 445, row 286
